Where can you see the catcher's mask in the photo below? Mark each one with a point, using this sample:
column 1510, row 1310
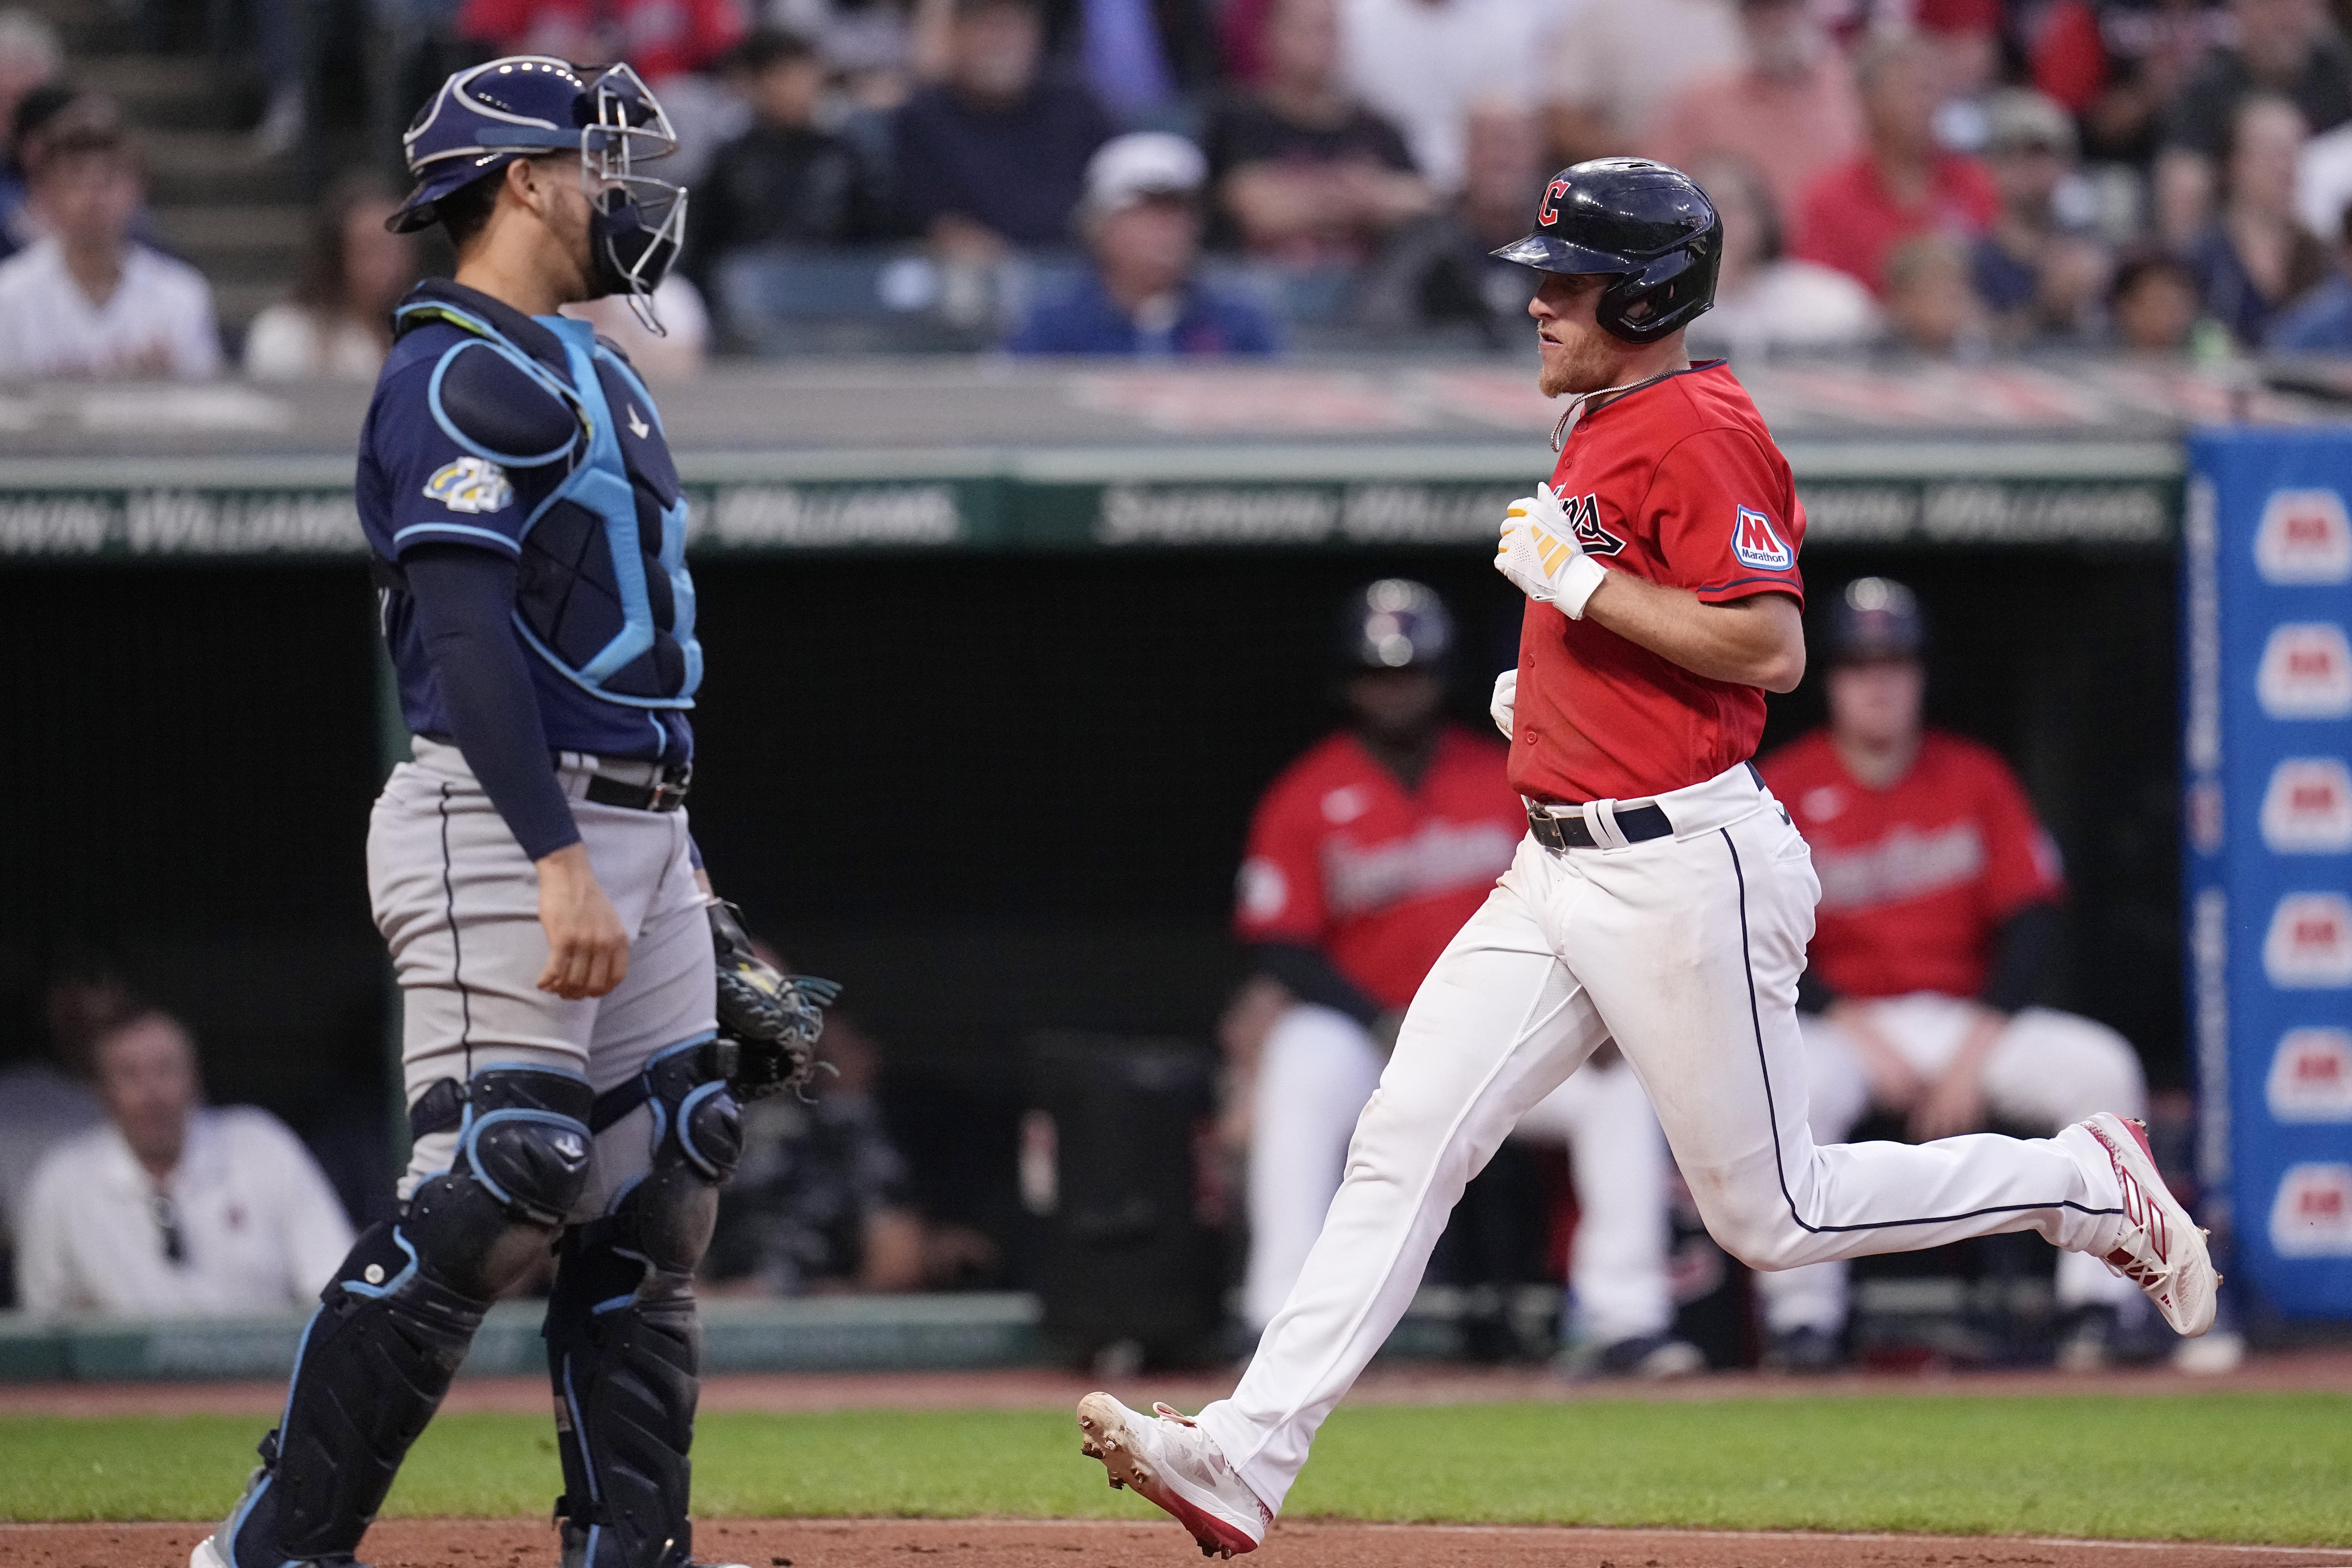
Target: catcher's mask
column 485, row 117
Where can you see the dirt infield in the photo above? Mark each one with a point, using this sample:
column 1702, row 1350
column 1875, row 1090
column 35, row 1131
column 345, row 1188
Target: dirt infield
column 1401, row 1383
column 1016, row 1543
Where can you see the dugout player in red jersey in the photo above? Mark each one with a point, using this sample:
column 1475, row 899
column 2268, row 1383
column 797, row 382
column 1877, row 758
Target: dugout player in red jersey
column 1662, row 899
column 1365, row 856
column 1938, row 911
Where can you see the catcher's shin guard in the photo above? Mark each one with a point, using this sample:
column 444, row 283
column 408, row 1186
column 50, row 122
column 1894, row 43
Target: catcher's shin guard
column 374, row 1362
column 623, row 1348
column 395, row 1321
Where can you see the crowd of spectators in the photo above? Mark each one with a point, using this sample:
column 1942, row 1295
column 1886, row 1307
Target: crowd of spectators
column 1934, row 178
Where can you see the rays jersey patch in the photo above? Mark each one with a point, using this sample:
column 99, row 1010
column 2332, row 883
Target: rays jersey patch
column 1754, row 540
column 1584, row 521
column 473, row 485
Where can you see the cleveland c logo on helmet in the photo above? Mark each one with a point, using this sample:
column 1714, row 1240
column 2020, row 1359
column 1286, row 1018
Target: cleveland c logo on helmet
column 1545, row 215
column 1647, row 225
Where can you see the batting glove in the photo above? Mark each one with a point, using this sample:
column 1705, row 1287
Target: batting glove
column 1505, row 701
column 1539, row 553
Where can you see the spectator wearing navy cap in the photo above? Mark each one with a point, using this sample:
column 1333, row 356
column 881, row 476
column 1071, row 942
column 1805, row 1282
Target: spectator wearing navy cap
column 1143, row 223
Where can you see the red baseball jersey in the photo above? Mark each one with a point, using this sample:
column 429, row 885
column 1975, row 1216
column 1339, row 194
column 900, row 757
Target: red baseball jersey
column 1344, row 859
column 1680, row 485
column 1916, row 878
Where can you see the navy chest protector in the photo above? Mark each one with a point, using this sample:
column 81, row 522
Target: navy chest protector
column 603, row 593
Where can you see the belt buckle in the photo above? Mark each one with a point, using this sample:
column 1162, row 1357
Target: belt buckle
column 666, row 793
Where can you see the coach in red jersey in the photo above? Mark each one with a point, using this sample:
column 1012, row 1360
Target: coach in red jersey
column 1938, row 912
column 1662, row 901
column 1365, row 856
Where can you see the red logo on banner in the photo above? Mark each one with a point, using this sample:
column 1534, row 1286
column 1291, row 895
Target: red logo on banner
column 2312, row 1215
column 2311, row 1077
column 2304, row 537
column 2305, row 672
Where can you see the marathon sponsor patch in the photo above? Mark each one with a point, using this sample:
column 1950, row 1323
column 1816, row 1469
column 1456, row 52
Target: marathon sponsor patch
column 2304, row 537
column 471, row 485
column 1757, row 544
column 2311, row 1076
column 2312, row 1215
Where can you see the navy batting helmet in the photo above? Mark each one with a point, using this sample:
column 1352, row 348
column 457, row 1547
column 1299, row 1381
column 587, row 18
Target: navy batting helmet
column 1648, row 225
column 1394, row 624
column 486, row 116
column 1876, row 617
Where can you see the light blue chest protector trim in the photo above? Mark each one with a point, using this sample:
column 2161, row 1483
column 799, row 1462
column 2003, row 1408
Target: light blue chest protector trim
column 598, row 483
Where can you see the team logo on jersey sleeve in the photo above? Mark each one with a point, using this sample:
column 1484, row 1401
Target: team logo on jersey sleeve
column 1754, row 540
column 1584, row 521
column 471, row 485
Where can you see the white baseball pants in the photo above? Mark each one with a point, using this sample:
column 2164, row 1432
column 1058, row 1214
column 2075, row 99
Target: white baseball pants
column 1318, row 1068
column 457, row 901
column 2047, row 1068
column 1685, row 950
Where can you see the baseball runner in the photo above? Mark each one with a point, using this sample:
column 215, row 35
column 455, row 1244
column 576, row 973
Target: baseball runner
column 581, row 1016
column 1938, row 910
column 1365, row 856
column 1661, row 899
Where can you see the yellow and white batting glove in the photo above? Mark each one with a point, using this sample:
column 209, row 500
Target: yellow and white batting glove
column 1505, row 701
column 1539, row 552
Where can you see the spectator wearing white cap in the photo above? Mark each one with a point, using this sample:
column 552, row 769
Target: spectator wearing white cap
column 1141, row 222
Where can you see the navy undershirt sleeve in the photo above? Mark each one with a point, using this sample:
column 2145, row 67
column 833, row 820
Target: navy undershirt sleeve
column 2020, row 957
column 465, row 599
column 1309, row 974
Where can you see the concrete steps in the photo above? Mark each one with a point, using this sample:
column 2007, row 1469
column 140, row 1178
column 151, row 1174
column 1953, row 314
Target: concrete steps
column 239, row 217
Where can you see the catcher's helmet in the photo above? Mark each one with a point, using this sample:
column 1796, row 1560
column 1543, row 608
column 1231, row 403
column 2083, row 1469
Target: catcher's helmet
column 486, row 116
column 1649, row 224
column 1394, row 624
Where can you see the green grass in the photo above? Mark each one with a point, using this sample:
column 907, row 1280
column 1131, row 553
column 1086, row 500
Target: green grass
column 2240, row 1467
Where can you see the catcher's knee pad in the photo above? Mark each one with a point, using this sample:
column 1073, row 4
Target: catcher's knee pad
column 522, row 1163
column 698, row 1137
column 373, row 1363
column 395, row 1321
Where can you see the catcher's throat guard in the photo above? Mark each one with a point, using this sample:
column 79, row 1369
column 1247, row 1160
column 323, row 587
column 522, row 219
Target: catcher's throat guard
column 485, row 117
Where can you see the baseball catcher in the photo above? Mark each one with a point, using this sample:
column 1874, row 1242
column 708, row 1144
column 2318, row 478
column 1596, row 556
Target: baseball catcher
column 581, row 1018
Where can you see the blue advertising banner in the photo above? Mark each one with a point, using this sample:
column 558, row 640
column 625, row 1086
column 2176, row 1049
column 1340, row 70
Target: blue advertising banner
column 2267, row 753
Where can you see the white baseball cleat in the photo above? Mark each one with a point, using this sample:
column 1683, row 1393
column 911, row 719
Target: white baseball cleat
column 2161, row 1250
column 1165, row 1459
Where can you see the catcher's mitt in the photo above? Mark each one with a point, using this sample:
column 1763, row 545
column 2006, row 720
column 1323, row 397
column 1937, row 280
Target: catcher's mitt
column 772, row 1019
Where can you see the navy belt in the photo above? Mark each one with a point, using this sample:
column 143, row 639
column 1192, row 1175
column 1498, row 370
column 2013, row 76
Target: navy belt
column 666, row 794
column 1638, row 823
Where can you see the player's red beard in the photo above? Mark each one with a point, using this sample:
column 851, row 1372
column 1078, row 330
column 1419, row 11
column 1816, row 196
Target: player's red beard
column 1573, row 361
